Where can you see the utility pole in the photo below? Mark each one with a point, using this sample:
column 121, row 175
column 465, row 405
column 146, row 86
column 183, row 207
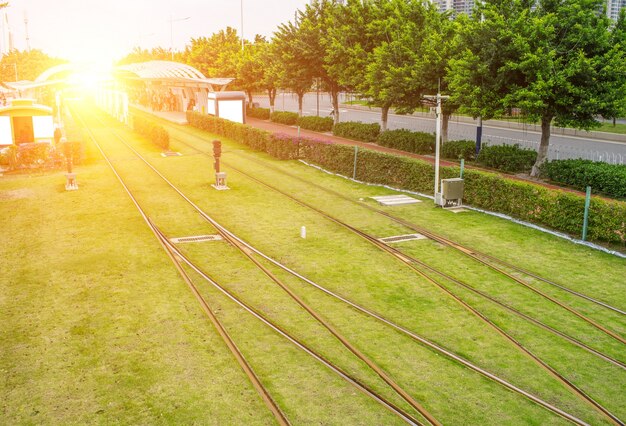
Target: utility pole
column 438, row 98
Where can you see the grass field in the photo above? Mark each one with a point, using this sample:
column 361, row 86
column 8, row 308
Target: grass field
column 96, row 326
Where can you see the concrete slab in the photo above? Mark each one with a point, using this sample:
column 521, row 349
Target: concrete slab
column 395, row 200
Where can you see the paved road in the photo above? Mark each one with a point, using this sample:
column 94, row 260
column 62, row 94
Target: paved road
column 560, row 146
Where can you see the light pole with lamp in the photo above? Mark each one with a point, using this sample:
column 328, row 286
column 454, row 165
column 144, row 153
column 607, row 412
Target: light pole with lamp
column 438, row 97
column 172, row 32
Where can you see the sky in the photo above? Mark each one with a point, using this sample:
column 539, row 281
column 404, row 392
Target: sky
column 105, row 30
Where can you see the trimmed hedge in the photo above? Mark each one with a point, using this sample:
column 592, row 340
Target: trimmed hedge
column 285, row 117
column 455, row 150
column 533, row 203
column 406, row 140
column 608, row 179
column 155, row 133
column 508, row 158
column 262, row 113
column 357, row 130
column 317, row 124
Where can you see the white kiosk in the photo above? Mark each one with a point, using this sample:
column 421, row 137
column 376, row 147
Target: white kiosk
column 228, row 105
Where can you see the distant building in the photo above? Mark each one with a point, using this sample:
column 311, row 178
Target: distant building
column 613, row 7
column 457, row 6
column 466, row 6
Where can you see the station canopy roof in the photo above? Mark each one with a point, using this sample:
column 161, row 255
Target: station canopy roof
column 172, row 73
column 167, row 73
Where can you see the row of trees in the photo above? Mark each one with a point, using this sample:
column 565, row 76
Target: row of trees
column 560, row 62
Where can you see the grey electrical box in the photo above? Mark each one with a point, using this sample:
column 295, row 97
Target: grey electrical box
column 451, row 192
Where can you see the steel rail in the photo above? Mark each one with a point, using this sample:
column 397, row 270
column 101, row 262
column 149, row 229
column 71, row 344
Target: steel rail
column 362, row 387
column 409, row 261
column 344, row 341
column 431, row 345
column 243, row 363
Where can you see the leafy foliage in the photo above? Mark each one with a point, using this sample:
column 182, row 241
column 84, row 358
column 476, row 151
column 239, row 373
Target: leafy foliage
column 215, row 56
column 604, row 178
column 456, row 150
column 406, row 140
column 556, row 62
column 262, row 113
column 508, row 158
column 155, row 133
column 366, row 132
column 284, row 117
column 318, row 124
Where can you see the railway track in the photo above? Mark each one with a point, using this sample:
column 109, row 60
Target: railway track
column 177, row 257
column 409, row 262
column 486, row 259
column 432, row 270
column 235, row 241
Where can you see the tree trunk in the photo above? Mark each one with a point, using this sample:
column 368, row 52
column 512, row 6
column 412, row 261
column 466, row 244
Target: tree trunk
column 250, row 104
column 335, row 101
column 384, row 115
column 272, row 95
column 542, row 152
column 300, row 100
column 445, row 120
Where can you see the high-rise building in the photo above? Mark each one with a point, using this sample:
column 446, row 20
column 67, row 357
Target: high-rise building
column 613, row 7
column 457, row 6
column 466, row 6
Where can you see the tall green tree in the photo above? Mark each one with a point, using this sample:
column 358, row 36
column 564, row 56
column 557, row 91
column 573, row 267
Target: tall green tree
column 554, row 60
column 215, row 56
column 251, row 67
column 295, row 73
column 391, row 78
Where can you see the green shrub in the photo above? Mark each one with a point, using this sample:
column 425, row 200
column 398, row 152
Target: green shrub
column 455, row 150
column 406, row 140
column 262, row 113
column 508, row 158
column 608, row 179
column 155, row 133
column 285, row 117
column 526, row 201
column 356, row 130
column 318, row 124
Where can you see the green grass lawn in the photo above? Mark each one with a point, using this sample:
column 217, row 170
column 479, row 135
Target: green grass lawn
column 96, row 327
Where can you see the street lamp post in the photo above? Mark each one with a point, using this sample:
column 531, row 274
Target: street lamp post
column 438, row 99
column 172, row 32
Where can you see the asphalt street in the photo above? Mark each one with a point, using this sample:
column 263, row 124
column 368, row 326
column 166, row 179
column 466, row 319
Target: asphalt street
column 561, row 146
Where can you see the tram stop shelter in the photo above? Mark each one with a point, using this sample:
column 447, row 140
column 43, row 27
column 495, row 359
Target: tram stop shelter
column 165, row 86
column 23, row 121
